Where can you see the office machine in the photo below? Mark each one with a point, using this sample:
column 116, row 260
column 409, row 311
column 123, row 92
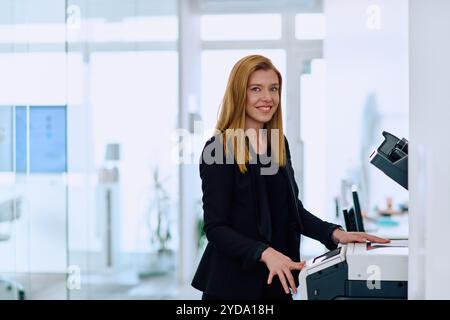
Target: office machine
column 352, row 215
column 364, row 270
column 357, row 271
column 391, row 157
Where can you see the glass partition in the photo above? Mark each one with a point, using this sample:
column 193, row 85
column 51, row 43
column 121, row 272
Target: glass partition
column 88, row 191
column 33, row 148
column 123, row 185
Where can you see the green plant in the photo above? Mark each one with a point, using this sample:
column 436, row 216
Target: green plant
column 160, row 225
column 201, row 236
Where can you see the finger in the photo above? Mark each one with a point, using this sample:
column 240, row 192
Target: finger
column 358, row 238
column 269, row 280
column 377, row 239
column 283, row 281
column 291, row 281
column 297, row 265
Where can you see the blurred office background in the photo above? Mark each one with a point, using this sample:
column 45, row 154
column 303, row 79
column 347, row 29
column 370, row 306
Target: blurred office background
column 92, row 92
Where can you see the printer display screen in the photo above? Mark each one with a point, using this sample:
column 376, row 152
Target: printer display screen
column 327, row 255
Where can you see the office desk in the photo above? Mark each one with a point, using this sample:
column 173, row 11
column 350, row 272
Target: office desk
column 9, row 205
column 385, row 230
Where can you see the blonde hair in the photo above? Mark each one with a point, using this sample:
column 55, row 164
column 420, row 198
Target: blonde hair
column 232, row 112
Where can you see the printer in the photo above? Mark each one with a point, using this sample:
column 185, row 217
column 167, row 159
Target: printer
column 364, row 270
column 391, row 157
column 357, row 271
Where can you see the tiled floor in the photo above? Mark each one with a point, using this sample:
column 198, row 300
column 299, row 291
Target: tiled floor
column 53, row 287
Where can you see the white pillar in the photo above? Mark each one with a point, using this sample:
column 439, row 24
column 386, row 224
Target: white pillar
column 429, row 163
column 189, row 100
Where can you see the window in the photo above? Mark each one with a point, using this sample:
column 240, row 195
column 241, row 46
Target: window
column 310, row 26
column 129, row 29
column 141, row 116
column 241, row 27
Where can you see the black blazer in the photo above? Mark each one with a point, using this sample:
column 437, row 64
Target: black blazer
column 238, row 228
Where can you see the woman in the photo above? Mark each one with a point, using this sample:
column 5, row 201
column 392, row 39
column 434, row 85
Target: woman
column 253, row 217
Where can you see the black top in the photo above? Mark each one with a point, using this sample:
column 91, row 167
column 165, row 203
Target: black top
column 278, row 198
column 277, row 194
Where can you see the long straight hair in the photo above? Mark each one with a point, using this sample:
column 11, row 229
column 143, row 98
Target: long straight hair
column 231, row 122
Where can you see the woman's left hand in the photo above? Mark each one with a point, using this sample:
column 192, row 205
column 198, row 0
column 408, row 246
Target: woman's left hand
column 345, row 237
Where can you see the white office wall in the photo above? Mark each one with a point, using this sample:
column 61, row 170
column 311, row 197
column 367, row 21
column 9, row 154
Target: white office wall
column 429, row 168
column 366, row 56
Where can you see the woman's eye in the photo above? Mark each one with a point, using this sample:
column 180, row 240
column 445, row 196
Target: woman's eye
column 256, row 89
column 274, row 89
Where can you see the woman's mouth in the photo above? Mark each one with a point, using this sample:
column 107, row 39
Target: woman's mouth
column 264, row 109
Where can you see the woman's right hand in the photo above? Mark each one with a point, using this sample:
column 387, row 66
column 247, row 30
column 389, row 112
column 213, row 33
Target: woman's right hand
column 281, row 265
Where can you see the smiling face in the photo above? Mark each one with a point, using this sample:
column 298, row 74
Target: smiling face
column 263, row 98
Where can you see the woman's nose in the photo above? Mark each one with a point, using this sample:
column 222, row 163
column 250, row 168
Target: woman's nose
column 267, row 96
